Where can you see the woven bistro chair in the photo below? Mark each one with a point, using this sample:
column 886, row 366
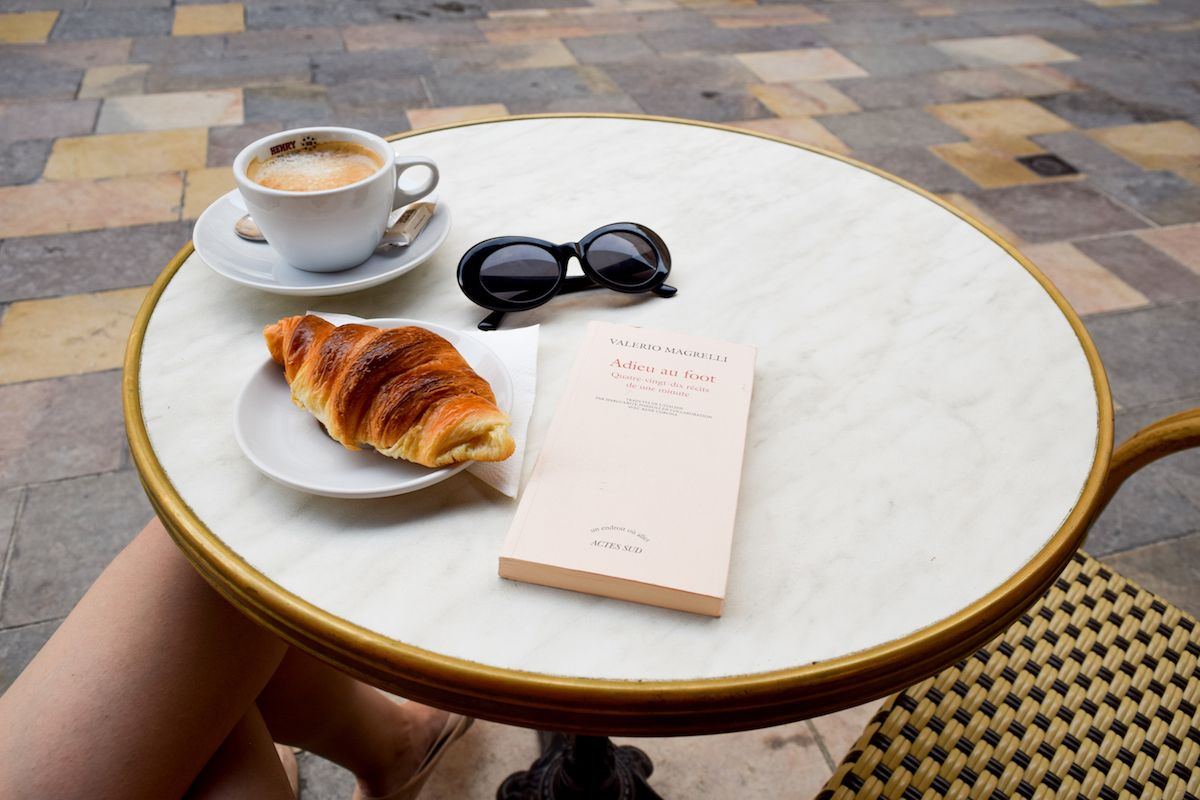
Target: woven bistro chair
column 1093, row 693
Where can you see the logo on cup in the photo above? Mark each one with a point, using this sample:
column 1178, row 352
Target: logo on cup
column 280, row 148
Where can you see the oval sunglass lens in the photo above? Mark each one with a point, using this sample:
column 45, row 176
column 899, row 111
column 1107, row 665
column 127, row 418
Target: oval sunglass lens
column 623, row 258
column 519, row 273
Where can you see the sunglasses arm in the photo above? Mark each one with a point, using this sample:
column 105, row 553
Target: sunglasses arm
column 581, row 283
column 575, row 283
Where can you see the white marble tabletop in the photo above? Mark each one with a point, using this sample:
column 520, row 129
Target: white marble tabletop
column 924, row 415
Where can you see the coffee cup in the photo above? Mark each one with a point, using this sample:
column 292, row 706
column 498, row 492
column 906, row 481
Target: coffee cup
column 322, row 196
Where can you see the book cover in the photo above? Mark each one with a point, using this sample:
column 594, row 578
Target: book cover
column 634, row 493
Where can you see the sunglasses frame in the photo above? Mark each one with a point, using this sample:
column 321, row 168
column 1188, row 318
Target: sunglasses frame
column 471, row 265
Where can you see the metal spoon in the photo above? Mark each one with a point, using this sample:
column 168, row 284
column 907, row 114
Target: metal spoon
column 248, row 229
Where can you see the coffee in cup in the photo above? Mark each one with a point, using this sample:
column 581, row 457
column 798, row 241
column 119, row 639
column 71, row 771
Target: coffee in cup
column 322, row 196
column 327, row 165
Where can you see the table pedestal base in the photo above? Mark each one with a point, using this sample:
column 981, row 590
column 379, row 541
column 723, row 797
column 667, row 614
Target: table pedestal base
column 582, row 768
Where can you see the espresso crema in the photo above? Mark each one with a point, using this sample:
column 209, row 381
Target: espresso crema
column 326, row 165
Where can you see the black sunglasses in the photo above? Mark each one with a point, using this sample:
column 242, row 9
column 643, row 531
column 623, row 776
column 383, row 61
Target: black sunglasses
column 517, row 273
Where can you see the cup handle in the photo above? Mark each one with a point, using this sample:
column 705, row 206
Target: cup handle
column 403, row 163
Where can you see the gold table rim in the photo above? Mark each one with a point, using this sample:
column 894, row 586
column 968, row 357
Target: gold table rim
column 611, row 706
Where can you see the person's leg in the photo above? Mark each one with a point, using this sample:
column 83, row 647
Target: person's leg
column 138, row 687
column 316, row 708
column 245, row 767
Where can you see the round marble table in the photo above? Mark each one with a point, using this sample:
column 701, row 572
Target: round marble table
column 929, row 429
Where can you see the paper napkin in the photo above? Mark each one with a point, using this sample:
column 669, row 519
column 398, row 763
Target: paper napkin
column 518, row 349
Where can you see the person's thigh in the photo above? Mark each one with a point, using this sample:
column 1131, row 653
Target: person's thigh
column 138, row 687
column 245, row 767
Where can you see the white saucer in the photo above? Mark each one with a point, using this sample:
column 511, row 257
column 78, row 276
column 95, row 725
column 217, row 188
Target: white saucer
column 256, row 264
column 288, row 444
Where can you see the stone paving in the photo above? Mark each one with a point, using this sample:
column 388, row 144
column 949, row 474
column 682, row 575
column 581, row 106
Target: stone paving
column 1069, row 126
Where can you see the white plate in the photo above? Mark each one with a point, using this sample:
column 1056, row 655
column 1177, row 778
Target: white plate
column 289, row 445
column 256, row 264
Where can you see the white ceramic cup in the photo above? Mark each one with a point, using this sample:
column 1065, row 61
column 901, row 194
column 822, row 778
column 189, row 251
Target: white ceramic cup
column 330, row 229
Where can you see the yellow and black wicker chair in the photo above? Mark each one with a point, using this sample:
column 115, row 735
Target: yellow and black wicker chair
column 1093, row 693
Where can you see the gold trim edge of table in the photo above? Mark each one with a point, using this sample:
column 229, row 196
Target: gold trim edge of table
column 615, row 707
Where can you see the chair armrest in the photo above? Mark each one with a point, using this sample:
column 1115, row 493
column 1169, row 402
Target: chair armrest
column 1169, row 435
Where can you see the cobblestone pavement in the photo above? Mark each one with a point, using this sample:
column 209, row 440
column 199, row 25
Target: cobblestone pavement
column 1070, row 126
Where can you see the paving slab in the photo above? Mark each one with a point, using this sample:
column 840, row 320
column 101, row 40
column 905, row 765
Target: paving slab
column 1170, row 569
column 450, row 59
column 225, row 73
column 19, row 645
column 224, row 143
column 206, row 19
column 97, row 24
column 712, row 105
column 376, row 96
column 23, row 162
column 334, row 69
column 1028, row 80
column 1164, row 85
column 871, row 129
column 671, row 73
column 807, row 64
column 1163, row 197
column 393, row 35
column 714, row 41
column 171, row 110
column 1150, row 354
column 26, row 27
column 1088, row 286
column 381, row 122
column 606, row 49
column 86, row 205
column 291, row 41
column 68, row 532
column 879, row 94
column 1160, row 503
column 60, row 428
column 1153, row 273
column 597, row 103
column 918, row 165
column 1148, row 509
column 898, row 60
column 1013, row 50
column 720, row 766
column 81, row 54
column 1085, row 154
column 1180, row 242
column 11, row 501
column 1030, row 20
column 1180, row 470
column 898, row 29
column 293, row 105
column 68, row 335
column 1094, row 109
column 177, row 50
column 839, row 731
column 118, row 258
column 23, row 78
column 804, row 130
column 116, row 155
column 114, row 80
column 999, row 118
column 516, row 86
column 803, row 98
column 1055, row 211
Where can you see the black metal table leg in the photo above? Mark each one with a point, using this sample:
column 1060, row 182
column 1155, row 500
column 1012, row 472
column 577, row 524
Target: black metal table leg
column 582, row 768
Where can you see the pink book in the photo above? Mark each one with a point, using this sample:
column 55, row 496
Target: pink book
column 635, row 490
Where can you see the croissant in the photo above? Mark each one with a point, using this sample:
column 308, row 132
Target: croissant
column 406, row 392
